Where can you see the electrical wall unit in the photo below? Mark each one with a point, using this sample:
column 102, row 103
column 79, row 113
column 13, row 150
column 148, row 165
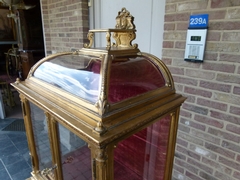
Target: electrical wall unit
column 195, row 44
column 101, row 113
column 196, row 38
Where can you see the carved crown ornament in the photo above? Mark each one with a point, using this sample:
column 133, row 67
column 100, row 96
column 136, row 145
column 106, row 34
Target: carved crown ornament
column 123, row 34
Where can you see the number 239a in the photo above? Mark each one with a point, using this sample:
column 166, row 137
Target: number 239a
column 195, row 21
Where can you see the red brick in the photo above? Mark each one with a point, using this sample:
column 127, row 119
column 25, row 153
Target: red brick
column 182, row 142
column 235, row 110
column 178, row 87
column 224, row 152
column 214, row 15
column 200, row 74
column 192, row 176
column 229, row 163
column 203, row 135
column 224, row 25
column 213, row 36
column 191, row 139
column 177, row 17
column 183, row 128
column 167, row 61
column 172, row 53
column 172, row 35
column 212, row 56
column 236, row 174
column 170, row 8
column 231, row 146
column 197, row 92
column 191, row 99
column 224, row 3
column 224, row 135
column 231, row 36
column 209, row 121
column 180, row 44
column 72, row 7
column 192, row 5
column 200, row 166
column 176, row 70
column 230, row 57
column 168, row 44
column 184, row 164
column 169, row 26
column 219, row 67
column 182, row 26
column 238, row 158
column 233, row 128
column 177, row 175
column 225, row 117
column 233, row 13
column 192, row 124
column 196, row 109
column 202, row 151
column 178, row 168
column 236, row 90
column 185, row 80
column 217, row 165
column 215, row 86
column 221, row 176
column 207, row 176
column 185, row 113
column 179, row 62
column 212, row 104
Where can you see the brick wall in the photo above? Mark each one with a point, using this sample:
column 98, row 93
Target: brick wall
column 65, row 23
column 208, row 144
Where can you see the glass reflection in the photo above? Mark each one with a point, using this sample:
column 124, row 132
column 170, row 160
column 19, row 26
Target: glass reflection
column 40, row 130
column 75, row 74
column 132, row 76
column 76, row 156
column 143, row 155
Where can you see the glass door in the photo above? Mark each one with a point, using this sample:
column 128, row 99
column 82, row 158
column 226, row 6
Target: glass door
column 143, row 155
column 75, row 156
column 56, row 152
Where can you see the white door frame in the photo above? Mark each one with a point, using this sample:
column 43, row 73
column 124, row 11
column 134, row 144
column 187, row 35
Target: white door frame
column 156, row 21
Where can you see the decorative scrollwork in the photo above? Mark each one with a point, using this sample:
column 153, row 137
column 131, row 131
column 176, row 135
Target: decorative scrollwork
column 124, row 20
column 102, row 102
column 90, row 37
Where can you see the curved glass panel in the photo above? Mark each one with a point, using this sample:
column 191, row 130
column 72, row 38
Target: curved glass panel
column 132, row 76
column 75, row 74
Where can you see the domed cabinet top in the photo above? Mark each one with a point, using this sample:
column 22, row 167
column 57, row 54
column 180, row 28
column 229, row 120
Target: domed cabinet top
column 103, row 88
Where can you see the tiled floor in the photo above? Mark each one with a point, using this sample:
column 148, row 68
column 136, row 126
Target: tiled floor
column 14, row 153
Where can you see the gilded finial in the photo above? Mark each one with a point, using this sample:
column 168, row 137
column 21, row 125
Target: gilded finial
column 124, row 20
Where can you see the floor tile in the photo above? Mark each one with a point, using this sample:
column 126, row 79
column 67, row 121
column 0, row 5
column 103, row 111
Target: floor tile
column 22, row 175
column 22, row 147
column 1, row 165
column 4, row 175
column 6, row 142
column 12, row 158
column 8, row 151
column 18, row 137
column 17, row 167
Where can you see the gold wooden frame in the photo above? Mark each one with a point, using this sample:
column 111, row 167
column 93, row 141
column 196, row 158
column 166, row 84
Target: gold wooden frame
column 101, row 124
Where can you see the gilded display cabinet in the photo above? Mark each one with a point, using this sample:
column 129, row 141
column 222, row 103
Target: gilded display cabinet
column 101, row 113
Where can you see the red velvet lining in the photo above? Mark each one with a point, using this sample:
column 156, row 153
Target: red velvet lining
column 143, row 155
column 130, row 78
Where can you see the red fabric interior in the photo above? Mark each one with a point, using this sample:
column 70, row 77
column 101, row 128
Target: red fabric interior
column 143, row 155
column 131, row 78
